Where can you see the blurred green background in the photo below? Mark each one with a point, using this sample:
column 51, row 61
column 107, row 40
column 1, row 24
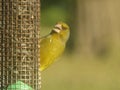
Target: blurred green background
column 92, row 57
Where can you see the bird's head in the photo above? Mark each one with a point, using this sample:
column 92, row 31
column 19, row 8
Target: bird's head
column 62, row 29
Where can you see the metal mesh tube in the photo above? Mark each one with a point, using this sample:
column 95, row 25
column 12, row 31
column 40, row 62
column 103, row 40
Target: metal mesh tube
column 19, row 46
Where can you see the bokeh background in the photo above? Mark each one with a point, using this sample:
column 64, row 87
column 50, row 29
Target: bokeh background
column 92, row 57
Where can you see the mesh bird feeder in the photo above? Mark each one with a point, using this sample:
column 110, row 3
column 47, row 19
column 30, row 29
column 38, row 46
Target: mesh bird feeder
column 19, row 45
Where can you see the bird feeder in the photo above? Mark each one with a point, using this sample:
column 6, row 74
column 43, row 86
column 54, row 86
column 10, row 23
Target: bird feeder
column 19, row 45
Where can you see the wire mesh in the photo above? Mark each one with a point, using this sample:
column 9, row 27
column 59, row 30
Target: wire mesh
column 19, row 46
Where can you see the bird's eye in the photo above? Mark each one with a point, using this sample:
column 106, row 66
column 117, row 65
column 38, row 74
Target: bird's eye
column 64, row 27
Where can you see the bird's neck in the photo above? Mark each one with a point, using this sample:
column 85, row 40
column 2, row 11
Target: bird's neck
column 61, row 36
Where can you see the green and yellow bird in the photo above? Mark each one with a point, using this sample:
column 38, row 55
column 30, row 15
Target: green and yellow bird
column 53, row 45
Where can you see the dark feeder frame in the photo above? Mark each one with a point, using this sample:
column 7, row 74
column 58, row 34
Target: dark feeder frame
column 19, row 43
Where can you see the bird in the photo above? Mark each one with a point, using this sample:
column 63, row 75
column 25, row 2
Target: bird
column 53, row 44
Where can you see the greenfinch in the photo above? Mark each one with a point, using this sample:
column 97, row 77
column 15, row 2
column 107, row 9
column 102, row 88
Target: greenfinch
column 53, row 44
